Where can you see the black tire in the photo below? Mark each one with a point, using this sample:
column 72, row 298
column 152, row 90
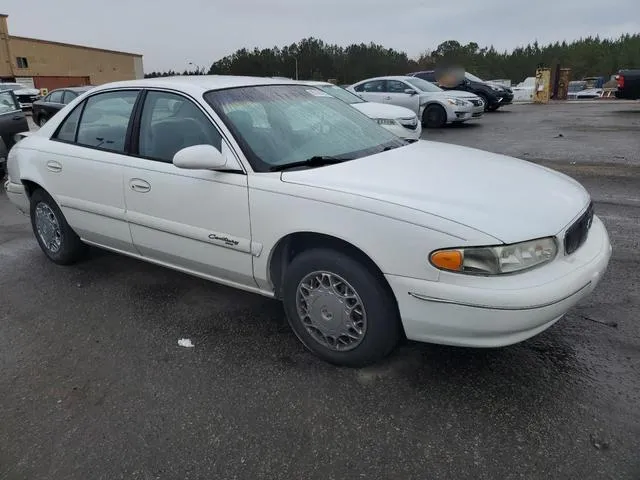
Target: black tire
column 70, row 248
column 42, row 120
column 4, row 153
column 434, row 116
column 485, row 100
column 383, row 327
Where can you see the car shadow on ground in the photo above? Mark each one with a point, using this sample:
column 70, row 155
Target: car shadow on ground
column 254, row 328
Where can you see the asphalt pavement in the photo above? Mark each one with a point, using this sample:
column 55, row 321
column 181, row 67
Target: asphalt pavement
column 93, row 384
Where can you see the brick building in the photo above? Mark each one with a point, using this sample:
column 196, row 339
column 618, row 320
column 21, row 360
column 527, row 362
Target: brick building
column 44, row 64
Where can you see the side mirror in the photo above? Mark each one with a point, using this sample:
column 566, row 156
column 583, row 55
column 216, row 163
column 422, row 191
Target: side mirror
column 204, row 157
column 410, row 91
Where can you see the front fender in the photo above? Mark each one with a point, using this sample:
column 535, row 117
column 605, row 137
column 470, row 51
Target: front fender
column 397, row 247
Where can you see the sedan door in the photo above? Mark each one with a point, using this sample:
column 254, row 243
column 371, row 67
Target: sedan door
column 193, row 220
column 396, row 95
column 12, row 118
column 54, row 103
column 82, row 168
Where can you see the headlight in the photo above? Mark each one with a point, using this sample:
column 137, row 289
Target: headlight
column 496, row 260
column 497, row 89
column 385, row 121
column 457, row 102
column 408, row 122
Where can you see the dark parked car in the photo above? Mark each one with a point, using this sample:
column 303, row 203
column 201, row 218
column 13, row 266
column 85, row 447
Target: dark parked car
column 628, row 84
column 48, row 106
column 494, row 96
column 12, row 121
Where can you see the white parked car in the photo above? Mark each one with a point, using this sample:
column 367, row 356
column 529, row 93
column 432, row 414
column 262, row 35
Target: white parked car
column 398, row 120
column 435, row 106
column 25, row 96
column 362, row 235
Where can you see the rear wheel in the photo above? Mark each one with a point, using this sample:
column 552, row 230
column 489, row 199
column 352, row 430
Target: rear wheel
column 42, row 120
column 4, row 152
column 340, row 309
column 434, row 116
column 54, row 235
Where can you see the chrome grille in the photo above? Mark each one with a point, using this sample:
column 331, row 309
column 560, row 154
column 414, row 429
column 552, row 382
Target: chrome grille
column 577, row 233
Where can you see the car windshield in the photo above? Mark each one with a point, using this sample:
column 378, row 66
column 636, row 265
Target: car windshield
column 472, row 77
column 10, row 86
column 278, row 125
column 423, row 85
column 341, row 94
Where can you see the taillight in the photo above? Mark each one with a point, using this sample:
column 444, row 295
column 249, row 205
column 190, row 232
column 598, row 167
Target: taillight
column 620, row 80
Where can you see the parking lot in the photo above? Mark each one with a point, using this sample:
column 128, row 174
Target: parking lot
column 95, row 386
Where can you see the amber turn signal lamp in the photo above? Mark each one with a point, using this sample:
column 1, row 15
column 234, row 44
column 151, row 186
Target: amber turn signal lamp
column 447, row 260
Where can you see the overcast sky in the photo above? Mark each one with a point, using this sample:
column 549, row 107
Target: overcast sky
column 172, row 33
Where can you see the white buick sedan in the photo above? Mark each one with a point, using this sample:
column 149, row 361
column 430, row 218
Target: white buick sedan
column 363, row 236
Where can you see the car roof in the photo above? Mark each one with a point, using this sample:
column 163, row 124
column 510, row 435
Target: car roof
column 79, row 89
column 198, row 83
column 387, row 77
column 315, row 83
column 74, row 89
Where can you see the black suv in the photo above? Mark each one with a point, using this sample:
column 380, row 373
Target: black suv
column 494, row 96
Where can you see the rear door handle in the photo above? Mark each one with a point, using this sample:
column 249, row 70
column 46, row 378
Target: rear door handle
column 54, row 166
column 387, row 98
column 17, row 117
column 139, row 185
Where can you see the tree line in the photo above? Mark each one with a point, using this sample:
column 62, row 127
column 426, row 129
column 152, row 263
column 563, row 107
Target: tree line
column 314, row 59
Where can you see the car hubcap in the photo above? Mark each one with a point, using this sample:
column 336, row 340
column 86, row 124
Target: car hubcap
column 331, row 311
column 48, row 227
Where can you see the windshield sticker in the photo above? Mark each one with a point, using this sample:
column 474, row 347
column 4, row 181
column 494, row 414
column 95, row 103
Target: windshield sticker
column 318, row 93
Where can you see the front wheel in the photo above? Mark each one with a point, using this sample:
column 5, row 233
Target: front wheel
column 55, row 237
column 340, row 309
column 434, row 116
column 485, row 99
column 42, row 120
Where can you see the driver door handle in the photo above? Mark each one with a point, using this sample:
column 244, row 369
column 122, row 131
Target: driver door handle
column 387, row 97
column 54, row 166
column 139, row 185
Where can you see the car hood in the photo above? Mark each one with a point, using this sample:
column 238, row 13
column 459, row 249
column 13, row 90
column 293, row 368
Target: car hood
column 27, row 91
column 510, row 199
column 448, row 94
column 382, row 110
column 460, row 94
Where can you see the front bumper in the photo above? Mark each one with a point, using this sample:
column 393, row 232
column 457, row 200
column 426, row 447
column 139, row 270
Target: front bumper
column 26, row 101
column 17, row 195
column 460, row 114
column 507, row 98
column 478, row 111
column 470, row 311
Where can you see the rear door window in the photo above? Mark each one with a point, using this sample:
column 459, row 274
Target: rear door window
column 56, row 97
column 69, row 96
column 105, row 120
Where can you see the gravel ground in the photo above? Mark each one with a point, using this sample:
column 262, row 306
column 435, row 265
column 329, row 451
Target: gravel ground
column 94, row 384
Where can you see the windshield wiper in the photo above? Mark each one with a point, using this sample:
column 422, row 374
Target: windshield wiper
column 316, row 161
